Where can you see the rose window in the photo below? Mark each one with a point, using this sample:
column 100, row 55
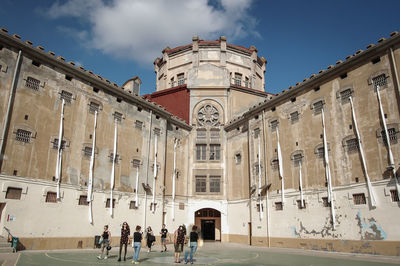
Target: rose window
column 208, row 116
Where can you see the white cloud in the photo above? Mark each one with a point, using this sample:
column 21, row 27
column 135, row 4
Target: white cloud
column 140, row 29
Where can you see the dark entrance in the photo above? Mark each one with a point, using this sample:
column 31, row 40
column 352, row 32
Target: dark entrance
column 208, row 229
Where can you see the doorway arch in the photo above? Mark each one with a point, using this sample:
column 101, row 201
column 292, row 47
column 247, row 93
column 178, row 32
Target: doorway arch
column 209, row 222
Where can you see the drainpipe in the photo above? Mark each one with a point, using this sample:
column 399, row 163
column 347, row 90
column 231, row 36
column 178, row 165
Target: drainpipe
column 396, row 75
column 249, row 173
column 266, row 177
column 165, row 171
column 147, row 170
column 9, row 107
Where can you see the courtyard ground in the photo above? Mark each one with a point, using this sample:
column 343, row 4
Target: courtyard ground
column 210, row 254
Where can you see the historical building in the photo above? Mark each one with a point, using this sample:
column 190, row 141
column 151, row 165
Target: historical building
column 314, row 167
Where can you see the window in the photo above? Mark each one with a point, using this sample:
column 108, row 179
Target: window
column 181, row 205
column 181, row 79
column 157, row 131
column 352, row 145
column 376, row 60
column 215, row 152
column 132, row 205
column 94, row 107
column 32, row 83
column 201, row 134
column 238, row 79
column 67, row 96
column 135, row 163
column 153, row 204
column 258, row 207
column 67, row 77
column 23, row 135
column 138, row 124
column 87, row 151
column 318, row 106
column 256, row 168
column 345, row 95
column 325, row 202
column 393, row 194
column 274, row 164
column 320, row 153
column 238, row 158
column 201, row 184
column 380, row 80
column 214, row 133
column 297, row 159
column 278, row 206
column 359, row 199
column 117, row 116
column 299, row 204
column 201, row 152
column 36, row 63
column 392, row 136
column 51, row 197
column 13, row 193
column 172, row 82
column 112, row 157
column 55, row 144
column 273, row 124
column 83, row 200
column 108, row 203
column 294, row 117
column 215, row 183
column 256, row 133
column 246, row 82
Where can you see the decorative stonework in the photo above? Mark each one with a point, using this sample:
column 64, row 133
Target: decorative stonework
column 208, row 115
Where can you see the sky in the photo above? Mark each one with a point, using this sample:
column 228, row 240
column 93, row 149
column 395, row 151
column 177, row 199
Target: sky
column 119, row 39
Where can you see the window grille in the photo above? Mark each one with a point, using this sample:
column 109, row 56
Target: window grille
column 181, row 79
column 256, row 133
column 13, row 193
column 294, row 117
column 278, row 206
column 201, row 152
column 51, row 197
column 273, row 124
column 352, row 145
column 108, row 203
column 87, row 151
column 214, row 134
column 238, row 158
column 112, row 156
column 394, row 195
column 320, row 153
column 153, row 204
column 132, row 205
column 83, row 200
column 135, row 163
column 238, row 79
column 67, row 96
column 325, row 202
column 201, row 184
column 297, row 159
column 318, row 106
column 299, row 204
column 258, row 207
column 257, row 167
column 392, row 136
column 138, row 124
column 55, row 144
column 117, row 116
column 215, row 152
column 359, row 199
column 93, row 107
column 32, row 83
column 380, row 80
column 345, row 95
column 215, row 183
column 201, row 134
column 181, row 205
column 246, row 82
column 157, row 131
column 274, row 164
column 23, row 135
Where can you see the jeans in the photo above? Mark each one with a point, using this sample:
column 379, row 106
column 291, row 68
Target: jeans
column 193, row 248
column 136, row 247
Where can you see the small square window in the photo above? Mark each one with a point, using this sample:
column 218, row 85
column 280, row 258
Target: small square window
column 258, row 207
column 83, row 200
column 181, row 205
column 359, row 199
column 297, row 159
column 320, row 153
column 318, row 106
column 108, row 203
column 352, row 145
column 273, row 124
column 135, row 163
column 94, row 107
column 325, row 202
column 299, row 204
column 294, row 117
column 157, row 131
column 87, row 151
column 153, row 204
column 66, row 95
column 112, row 157
column 55, row 144
column 345, row 95
column 256, row 133
column 138, row 124
column 117, row 116
column 13, row 193
column 392, row 136
column 201, row 134
column 380, row 80
column 238, row 158
column 32, row 83
column 278, row 206
column 51, row 197
column 274, row 164
column 132, row 205
column 23, row 135
column 394, row 195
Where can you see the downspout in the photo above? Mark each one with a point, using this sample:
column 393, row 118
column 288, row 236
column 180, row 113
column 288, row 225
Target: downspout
column 147, row 170
column 165, row 171
column 396, row 75
column 249, row 174
column 266, row 177
column 9, row 107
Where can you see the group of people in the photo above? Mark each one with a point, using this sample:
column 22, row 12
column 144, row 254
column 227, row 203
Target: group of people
column 179, row 242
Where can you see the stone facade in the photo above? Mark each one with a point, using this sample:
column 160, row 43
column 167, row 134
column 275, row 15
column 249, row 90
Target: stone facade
column 214, row 141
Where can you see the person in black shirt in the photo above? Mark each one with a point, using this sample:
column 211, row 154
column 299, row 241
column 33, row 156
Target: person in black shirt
column 106, row 236
column 194, row 237
column 137, row 244
column 163, row 233
column 125, row 232
column 150, row 238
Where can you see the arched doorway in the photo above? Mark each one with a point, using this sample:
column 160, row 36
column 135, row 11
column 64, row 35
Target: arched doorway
column 209, row 221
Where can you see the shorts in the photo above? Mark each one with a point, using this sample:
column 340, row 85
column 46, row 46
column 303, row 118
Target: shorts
column 178, row 247
column 163, row 240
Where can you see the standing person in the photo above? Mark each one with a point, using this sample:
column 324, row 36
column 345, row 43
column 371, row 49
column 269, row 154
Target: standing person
column 125, row 232
column 105, row 243
column 150, row 238
column 164, row 233
column 137, row 244
column 179, row 240
column 194, row 237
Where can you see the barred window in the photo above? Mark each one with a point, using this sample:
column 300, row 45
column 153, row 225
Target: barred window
column 66, row 95
column 201, row 184
column 13, row 193
column 394, row 195
column 23, row 135
column 132, row 205
column 273, row 124
column 55, row 144
column 108, row 203
column 135, row 163
column 278, row 206
column 138, row 124
column 258, row 207
column 325, row 202
column 153, row 204
column 352, row 145
column 112, row 157
column 318, row 106
column 215, row 152
column 297, row 159
column 299, row 204
column 157, row 131
column 32, row 83
column 214, row 133
column 181, row 79
column 181, row 205
column 392, row 136
column 238, row 79
column 345, row 95
column 87, row 151
column 93, row 107
column 83, row 200
column 274, row 164
column 380, row 80
column 256, row 133
column 201, row 152
column 359, row 199
column 215, row 183
column 238, row 158
column 51, row 197
column 294, row 117
column 320, row 153
column 201, row 134
column 117, row 116
column 256, row 168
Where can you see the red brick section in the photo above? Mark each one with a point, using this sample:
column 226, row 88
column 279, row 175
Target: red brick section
column 174, row 100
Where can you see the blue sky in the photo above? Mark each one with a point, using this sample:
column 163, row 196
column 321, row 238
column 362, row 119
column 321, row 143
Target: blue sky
column 119, row 39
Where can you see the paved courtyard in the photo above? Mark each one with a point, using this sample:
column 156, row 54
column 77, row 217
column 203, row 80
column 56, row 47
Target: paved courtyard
column 209, row 254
